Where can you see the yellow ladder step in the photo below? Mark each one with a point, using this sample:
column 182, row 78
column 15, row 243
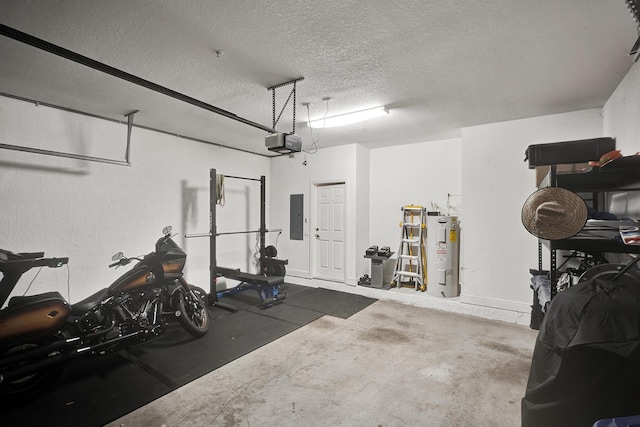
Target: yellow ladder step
column 410, row 256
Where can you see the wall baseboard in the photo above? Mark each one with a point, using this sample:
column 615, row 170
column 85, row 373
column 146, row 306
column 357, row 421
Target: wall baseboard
column 298, row 274
column 298, row 277
column 500, row 304
column 517, row 313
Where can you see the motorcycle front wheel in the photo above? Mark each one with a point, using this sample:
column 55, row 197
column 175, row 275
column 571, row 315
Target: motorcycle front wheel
column 192, row 313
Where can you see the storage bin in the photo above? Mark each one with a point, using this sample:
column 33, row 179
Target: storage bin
column 568, row 152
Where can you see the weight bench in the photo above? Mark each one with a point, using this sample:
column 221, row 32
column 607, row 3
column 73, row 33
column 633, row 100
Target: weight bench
column 268, row 287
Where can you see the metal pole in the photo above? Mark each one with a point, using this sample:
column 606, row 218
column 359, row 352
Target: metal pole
column 241, row 177
column 109, row 119
column 91, row 63
column 239, row 232
column 626, row 268
column 129, row 128
column 188, row 236
column 62, row 154
column 213, row 262
column 213, row 197
column 263, row 221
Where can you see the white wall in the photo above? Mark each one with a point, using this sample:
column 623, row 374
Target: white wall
column 88, row 211
column 413, row 174
column 486, row 176
column 498, row 251
column 363, row 210
column 622, row 113
column 289, row 175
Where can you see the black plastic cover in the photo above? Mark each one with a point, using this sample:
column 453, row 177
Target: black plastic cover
column 586, row 361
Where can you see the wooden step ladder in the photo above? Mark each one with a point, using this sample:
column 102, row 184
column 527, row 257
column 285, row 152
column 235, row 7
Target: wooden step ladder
column 411, row 263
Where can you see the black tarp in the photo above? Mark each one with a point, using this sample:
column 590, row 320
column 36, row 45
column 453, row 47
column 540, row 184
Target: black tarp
column 586, row 360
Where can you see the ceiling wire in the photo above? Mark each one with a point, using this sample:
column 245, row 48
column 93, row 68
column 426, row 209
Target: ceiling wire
column 314, row 142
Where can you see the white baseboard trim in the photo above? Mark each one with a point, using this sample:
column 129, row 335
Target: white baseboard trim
column 500, row 304
column 298, row 274
column 304, row 278
column 475, row 306
column 297, row 280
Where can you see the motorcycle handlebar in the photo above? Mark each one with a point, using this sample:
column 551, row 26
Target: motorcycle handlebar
column 121, row 261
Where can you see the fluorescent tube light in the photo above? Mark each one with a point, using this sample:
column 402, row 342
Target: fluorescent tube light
column 348, row 118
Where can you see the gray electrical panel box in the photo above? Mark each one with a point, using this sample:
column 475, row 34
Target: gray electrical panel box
column 296, row 217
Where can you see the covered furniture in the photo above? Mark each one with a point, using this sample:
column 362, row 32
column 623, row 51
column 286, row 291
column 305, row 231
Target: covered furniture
column 586, row 361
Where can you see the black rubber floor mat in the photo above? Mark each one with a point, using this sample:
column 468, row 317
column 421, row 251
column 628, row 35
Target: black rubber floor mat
column 89, row 393
column 178, row 358
column 250, row 299
column 333, row 303
column 96, row 391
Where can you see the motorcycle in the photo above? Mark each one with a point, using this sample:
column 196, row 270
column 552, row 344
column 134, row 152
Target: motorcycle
column 40, row 333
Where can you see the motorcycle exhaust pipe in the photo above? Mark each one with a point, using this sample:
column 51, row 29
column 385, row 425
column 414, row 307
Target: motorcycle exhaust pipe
column 22, row 371
column 15, row 374
column 27, row 355
column 106, row 344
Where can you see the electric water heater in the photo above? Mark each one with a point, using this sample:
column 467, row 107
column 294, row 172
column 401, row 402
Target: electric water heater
column 443, row 255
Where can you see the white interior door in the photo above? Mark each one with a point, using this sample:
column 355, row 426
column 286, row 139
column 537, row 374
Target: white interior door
column 329, row 232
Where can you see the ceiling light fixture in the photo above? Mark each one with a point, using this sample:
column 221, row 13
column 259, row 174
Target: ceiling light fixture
column 348, row 118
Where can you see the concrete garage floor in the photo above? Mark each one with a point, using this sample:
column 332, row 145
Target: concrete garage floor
column 387, row 365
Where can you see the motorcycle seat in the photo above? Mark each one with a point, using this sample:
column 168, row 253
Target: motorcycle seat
column 86, row 304
column 30, row 299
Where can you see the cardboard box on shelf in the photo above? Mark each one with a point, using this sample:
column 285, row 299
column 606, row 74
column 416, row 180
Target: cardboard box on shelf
column 542, row 171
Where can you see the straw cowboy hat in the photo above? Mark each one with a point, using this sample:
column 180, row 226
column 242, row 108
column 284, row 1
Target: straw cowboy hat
column 554, row 213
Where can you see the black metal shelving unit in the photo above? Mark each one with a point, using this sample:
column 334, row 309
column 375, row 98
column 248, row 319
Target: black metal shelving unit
column 593, row 186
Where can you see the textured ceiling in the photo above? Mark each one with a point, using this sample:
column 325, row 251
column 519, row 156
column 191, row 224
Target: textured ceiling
column 438, row 66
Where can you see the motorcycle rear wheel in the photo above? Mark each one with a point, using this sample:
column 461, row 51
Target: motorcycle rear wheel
column 30, row 384
column 193, row 317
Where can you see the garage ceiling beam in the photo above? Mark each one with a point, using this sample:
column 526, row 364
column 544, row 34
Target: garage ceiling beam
column 96, row 65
